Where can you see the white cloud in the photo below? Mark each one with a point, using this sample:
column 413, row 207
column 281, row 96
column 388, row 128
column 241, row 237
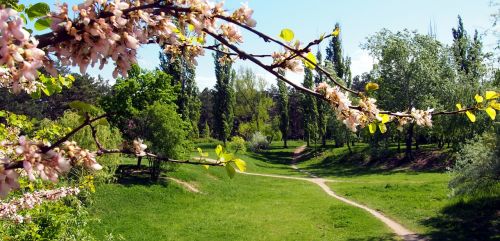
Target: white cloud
column 205, row 82
column 361, row 62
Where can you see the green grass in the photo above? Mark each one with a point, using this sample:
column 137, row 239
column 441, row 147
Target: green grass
column 244, row 208
column 407, row 196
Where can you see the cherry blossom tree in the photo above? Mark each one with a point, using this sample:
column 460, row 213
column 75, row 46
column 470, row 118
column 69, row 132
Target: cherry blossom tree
column 100, row 32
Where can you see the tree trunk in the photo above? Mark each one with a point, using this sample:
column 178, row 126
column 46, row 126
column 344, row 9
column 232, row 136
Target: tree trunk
column 139, row 160
column 399, row 141
column 409, row 139
column 349, row 146
column 284, row 143
column 323, row 140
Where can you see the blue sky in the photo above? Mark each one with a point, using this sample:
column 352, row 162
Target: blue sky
column 358, row 19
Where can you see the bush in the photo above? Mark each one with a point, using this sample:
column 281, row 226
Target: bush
column 258, row 142
column 165, row 130
column 109, row 137
column 66, row 219
column 477, row 168
column 237, row 144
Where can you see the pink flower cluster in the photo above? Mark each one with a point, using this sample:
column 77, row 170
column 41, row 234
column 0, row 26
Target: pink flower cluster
column 96, row 37
column 139, row 147
column 47, row 165
column 368, row 111
column 9, row 210
column 19, row 56
column 340, row 102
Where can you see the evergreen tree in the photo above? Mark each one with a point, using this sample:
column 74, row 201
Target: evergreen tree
column 223, row 98
column 334, row 54
column 310, row 110
column 283, row 108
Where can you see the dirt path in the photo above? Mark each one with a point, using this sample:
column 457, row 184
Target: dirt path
column 186, row 185
column 397, row 228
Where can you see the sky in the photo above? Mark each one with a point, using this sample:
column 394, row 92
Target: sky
column 358, row 19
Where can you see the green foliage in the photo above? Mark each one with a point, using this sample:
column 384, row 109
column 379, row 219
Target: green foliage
column 109, row 137
column 310, row 110
column 477, row 168
column 258, row 142
column 223, row 98
column 237, row 144
column 165, row 130
column 282, row 104
column 134, row 94
column 287, row 34
column 65, row 220
column 184, row 83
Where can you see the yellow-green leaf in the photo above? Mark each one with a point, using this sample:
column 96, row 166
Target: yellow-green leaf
column 478, row 98
column 372, row 127
column 471, row 116
column 385, row 118
column 230, row 170
column 336, row 32
column 218, row 150
column 370, row 86
column 191, row 27
column 382, row 127
column 312, row 61
column 492, row 95
column 206, row 166
column 287, row 34
column 459, row 106
column 242, row 165
column 491, row 112
column 199, row 150
column 495, row 105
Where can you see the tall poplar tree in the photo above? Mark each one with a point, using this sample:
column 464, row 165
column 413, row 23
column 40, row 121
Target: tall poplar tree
column 323, row 108
column 283, row 108
column 223, row 97
column 310, row 110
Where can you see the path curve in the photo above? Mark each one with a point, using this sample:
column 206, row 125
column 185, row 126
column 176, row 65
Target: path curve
column 186, row 185
column 397, row 228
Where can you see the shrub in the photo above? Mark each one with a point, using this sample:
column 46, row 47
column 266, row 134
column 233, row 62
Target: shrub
column 66, row 219
column 237, row 144
column 109, row 137
column 477, row 168
column 165, row 130
column 258, row 142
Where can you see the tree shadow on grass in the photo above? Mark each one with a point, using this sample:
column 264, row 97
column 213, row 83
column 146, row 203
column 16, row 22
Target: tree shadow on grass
column 131, row 175
column 470, row 220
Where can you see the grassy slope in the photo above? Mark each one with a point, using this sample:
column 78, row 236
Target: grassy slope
column 407, row 196
column 245, row 208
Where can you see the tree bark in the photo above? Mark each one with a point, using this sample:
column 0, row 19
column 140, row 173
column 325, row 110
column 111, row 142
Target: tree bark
column 409, row 139
column 139, row 160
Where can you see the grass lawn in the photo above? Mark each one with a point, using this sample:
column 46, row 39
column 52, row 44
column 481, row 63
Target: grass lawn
column 417, row 199
column 244, row 208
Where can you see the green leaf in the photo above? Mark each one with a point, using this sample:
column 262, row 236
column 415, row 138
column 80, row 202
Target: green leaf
column 218, row 150
column 310, row 56
column 199, row 150
column 370, row 86
column 382, row 127
column 471, row 116
column 230, row 170
column 242, row 165
column 495, row 105
column 287, row 34
column 459, row 106
column 102, row 122
column 385, row 118
column 491, row 112
column 23, row 17
column 82, row 107
column 43, row 23
column 372, row 127
column 38, row 10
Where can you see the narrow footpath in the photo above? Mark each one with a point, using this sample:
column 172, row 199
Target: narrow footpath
column 397, row 228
